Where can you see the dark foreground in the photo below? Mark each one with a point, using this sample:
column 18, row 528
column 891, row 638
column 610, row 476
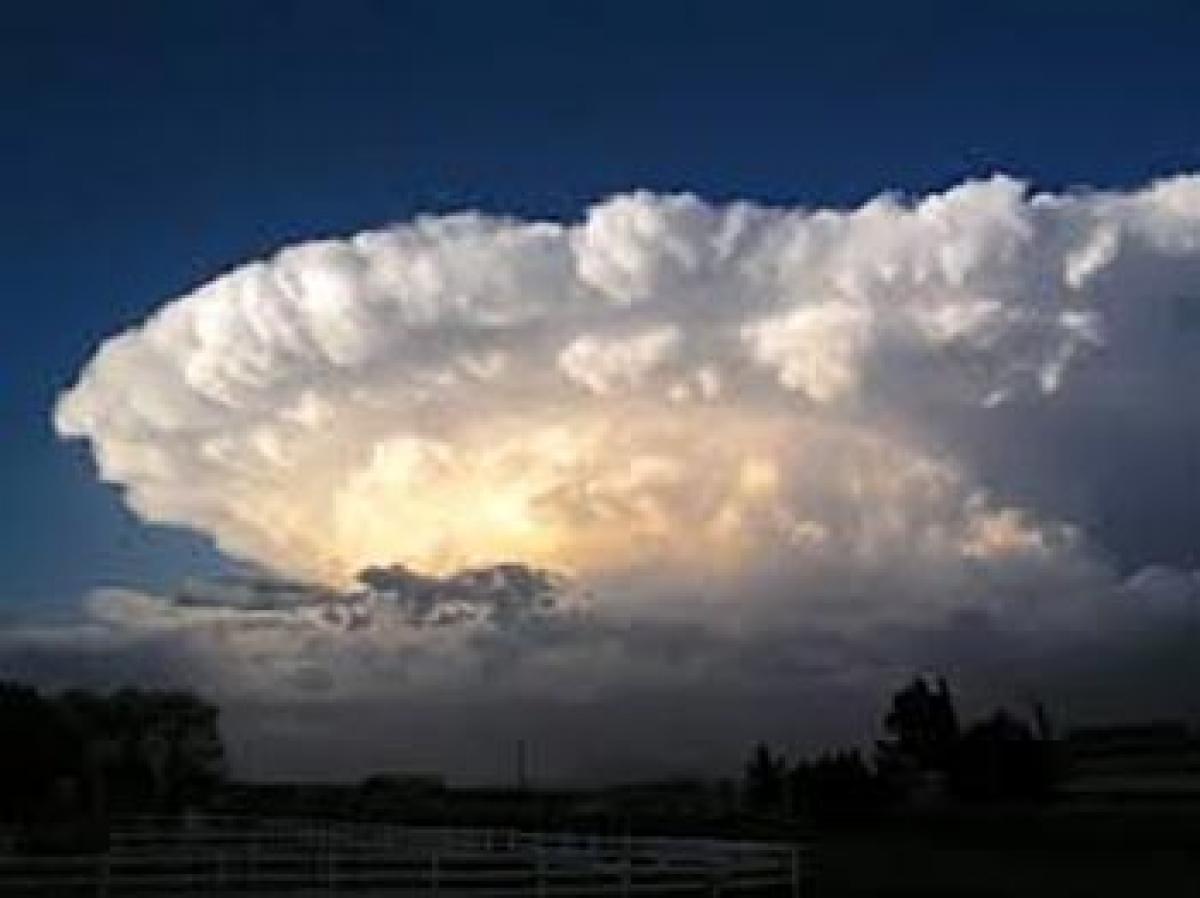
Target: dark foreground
column 1055, row 851
column 1051, row 852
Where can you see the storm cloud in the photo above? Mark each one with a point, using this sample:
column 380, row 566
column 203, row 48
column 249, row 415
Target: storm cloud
column 716, row 453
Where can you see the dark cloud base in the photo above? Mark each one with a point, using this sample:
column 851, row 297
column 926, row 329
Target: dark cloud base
column 312, row 690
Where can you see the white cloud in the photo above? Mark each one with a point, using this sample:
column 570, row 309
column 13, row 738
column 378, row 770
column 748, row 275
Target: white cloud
column 754, row 426
column 251, row 409
column 617, row 364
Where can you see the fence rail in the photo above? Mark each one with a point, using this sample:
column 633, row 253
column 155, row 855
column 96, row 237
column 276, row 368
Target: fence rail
column 221, row 856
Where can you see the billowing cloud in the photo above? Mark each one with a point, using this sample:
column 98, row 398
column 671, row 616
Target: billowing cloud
column 469, row 390
column 765, row 443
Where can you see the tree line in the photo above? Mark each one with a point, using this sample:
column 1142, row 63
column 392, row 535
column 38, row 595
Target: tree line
column 70, row 760
column 73, row 758
column 927, row 755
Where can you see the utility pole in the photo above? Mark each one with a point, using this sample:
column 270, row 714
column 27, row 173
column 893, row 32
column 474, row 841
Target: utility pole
column 522, row 775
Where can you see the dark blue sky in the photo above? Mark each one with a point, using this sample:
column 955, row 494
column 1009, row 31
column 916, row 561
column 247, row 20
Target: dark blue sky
column 148, row 146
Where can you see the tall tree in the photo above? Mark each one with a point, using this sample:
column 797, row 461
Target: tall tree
column 35, row 750
column 924, row 724
column 764, row 778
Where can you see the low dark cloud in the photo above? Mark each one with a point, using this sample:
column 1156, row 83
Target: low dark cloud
column 318, row 684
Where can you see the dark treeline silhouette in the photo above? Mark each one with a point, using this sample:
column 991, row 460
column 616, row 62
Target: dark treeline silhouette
column 76, row 758
column 927, row 756
column 70, row 760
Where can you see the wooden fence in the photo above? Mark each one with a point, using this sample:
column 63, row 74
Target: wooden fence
column 297, row 858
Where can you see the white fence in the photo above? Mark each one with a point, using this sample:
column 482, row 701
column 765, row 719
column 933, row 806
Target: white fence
column 295, row 858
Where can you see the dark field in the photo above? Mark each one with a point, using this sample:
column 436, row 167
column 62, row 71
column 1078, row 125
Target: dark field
column 1053, row 853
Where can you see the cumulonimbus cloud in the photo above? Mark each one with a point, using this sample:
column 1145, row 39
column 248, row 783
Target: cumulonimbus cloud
column 665, row 378
column 757, row 436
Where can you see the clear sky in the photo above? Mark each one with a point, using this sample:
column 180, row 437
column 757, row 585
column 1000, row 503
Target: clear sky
column 149, row 147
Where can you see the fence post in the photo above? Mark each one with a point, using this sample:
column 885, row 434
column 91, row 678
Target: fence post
column 795, row 871
column 627, row 866
column 434, row 873
column 102, row 887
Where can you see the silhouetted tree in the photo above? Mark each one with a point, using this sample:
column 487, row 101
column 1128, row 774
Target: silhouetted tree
column 35, row 751
column 80, row 754
column 148, row 749
column 835, row 785
column 924, row 727
column 764, row 779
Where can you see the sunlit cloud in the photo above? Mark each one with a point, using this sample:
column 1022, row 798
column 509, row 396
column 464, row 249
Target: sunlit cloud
column 468, row 390
column 722, row 432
